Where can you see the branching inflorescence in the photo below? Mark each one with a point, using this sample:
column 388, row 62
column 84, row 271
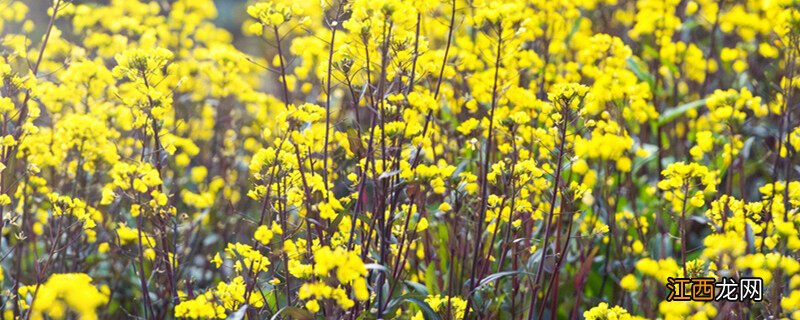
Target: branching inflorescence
column 377, row 159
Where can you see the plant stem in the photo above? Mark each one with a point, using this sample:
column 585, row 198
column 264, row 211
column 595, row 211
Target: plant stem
column 484, row 181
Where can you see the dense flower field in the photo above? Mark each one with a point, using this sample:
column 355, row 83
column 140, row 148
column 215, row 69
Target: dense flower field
column 376, row 159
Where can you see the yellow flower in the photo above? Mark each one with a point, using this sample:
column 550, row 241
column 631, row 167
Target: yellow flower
column 422, row 225
column 263, row 235
column 602, row 311
column 637, row 247
column 629, row 282
column 312, row 305
column 68, row 291
column 199, row 174
column 624, row 164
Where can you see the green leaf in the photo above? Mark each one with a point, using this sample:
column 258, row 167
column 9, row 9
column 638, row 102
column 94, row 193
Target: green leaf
column 377, row 267
column 389, row 174
column 430, row 279
column 641, row 74
column 575, row 27
column 427, row 311
column 418, row 287
column 334, row 225
column 292, row 313
column 652, row 150
column 239, row 314
column 492, row 277
column 672, row 113
column 415, row 298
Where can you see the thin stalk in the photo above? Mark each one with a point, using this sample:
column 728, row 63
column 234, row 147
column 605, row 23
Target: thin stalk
column 328, row 100
column 683, row 226
column 556, row 184
column 441, row 75
column 484, row 181
column 23, row 113
column 283, row 67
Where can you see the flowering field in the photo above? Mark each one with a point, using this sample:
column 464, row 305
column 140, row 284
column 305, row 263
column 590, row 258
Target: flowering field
column 378, row 159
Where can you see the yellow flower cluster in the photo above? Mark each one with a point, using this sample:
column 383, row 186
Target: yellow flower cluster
column 64, row 294
column 687, row 184
column 329, row 267
column 396, row 158
column 217, row 303
column 603, row 312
